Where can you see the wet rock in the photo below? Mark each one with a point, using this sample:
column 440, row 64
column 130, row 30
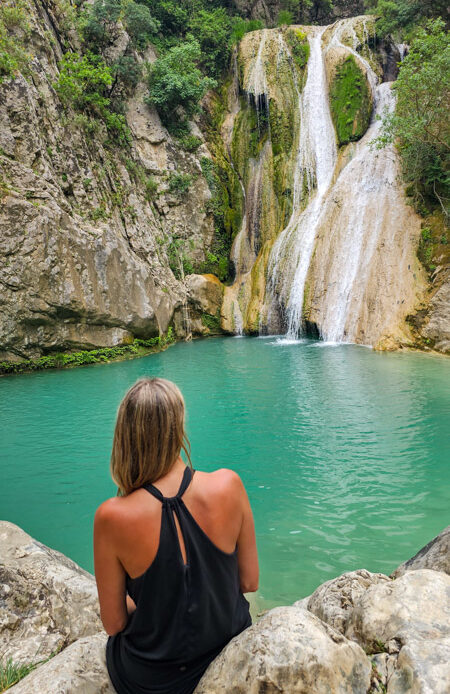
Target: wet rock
column 79, row 669
column 46, row 600
column 435, row 555
column 288, row 650
column 334, row 601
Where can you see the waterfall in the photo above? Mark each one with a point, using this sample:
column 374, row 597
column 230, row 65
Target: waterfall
column 316, row 157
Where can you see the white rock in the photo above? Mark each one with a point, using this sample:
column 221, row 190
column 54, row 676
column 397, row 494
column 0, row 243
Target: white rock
column 46, row 600
column 288, row 650
column 79, row 669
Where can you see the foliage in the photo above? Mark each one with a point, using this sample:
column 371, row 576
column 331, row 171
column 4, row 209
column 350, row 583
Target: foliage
column 212, row 31
column 93, row 356
column 83, row 84
column 285, row 18
column 14, row 29
column 307, row 11
column 212, row 322
column 189, row 142
column 11, row 673
column 127, row 71
column 179, row 262
column 179, row 183
column 139, row 23
column 240, row 27
column 419, row 126
column 98, row 23
column 401, row 17
column 350, row 101
column 151, row 188
column 175, row 80
column 299, row 46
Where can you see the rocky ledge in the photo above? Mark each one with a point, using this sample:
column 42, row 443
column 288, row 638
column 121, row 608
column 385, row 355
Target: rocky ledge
column 359, row 633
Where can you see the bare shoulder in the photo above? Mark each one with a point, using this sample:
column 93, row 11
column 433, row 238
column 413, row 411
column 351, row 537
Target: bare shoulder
column 109, row 511
column 222, row 482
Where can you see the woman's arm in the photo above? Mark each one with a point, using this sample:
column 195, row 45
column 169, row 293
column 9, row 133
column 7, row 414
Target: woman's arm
column 109, row 572
column 247, row 551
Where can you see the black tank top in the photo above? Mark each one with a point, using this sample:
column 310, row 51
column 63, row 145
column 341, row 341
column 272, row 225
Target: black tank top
column 185, row 613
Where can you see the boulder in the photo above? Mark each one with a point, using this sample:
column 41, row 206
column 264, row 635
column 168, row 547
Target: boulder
column 79, row 669
column 435, row 555
column 288, row 650
column 205, row 293
column 46, row 600
column 333, row 601
column 409, row 616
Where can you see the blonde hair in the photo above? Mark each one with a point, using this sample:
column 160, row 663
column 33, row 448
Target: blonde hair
column 149, row 434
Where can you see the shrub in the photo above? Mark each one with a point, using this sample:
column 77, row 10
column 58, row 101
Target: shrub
column 284, row 18
column 189, row 142
column 98, row 23
column 240, row 27
column 13, row 56
column 212, row 31
column 179, row 183
column 419, row 125
column 139, row 24
column 175, row 80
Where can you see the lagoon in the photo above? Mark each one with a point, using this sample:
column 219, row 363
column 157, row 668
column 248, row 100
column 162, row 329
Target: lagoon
column 344, row 451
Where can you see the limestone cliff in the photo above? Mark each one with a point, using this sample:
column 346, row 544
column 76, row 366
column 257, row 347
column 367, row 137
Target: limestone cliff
column 89, row 232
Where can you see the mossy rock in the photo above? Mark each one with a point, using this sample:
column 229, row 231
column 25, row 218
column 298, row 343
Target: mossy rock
column 351, row 101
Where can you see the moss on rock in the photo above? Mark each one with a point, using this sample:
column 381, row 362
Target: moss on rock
column 351, row 102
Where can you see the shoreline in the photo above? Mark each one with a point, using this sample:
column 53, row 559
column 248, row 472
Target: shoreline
column 143, row 348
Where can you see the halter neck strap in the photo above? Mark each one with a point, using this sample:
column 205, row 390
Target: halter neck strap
column 185, row 482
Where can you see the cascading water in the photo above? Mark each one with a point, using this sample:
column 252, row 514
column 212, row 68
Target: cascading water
column 291, row 255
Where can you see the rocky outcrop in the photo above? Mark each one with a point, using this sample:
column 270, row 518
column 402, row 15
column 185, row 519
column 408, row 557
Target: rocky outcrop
column 87, row 227
column 333, row 601
column 46, row 600
column 288, row 650
column 79, row 669
column 360, row 632
column 435, row 555
column 308, row 13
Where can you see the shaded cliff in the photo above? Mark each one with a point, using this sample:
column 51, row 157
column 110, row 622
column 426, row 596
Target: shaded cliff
column 93, row 230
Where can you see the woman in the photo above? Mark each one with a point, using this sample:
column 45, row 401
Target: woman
column 174, row 551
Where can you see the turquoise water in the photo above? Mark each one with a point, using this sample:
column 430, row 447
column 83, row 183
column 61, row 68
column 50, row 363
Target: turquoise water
column 344, row 451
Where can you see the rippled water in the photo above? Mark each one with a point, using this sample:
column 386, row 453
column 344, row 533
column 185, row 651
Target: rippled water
column 344, row 451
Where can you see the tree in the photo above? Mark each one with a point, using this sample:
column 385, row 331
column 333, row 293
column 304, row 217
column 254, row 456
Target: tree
column 139, row 23
column 99, row 23
column 212, row 31
column 175, row 80
column 420, row 125
column 400, row 17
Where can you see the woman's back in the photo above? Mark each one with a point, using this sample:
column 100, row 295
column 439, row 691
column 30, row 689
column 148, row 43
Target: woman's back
column 173, row 558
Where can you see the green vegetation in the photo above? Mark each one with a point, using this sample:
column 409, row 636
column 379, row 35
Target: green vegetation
column 179, row 262
column 305, row 11
column 179, row 184
column 401, row 18
column 434, row 244
column 14, row 29
column 299, row 46
column 212, row 322
column 11, row 673
column 211, row 28
column 83, row 84
column 240, row 27
column 175, row 81
column 93, row 356
column 420, row 126
column 284, row 18
column 351, row 104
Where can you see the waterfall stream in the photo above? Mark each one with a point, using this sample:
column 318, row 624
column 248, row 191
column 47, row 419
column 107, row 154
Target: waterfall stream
column 344, row 264
column 316, row 158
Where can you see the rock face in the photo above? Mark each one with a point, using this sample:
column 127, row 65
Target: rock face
column 361, row 632
column 46, row 600
column 334, row 601
column 85, row 238
column 79, row 669
column 288, row 650
column 435, row 555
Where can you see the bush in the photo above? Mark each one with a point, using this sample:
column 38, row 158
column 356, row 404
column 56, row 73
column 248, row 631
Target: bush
column 189, row 142
column 240, row 27
column 401, row 17
column 212, row 31
column 13, row 56
column 419, row 125
column 179, row 184
column 83, row 84
column 175, row 80
column 284, row 18
column 98, row 23
column 139, row 24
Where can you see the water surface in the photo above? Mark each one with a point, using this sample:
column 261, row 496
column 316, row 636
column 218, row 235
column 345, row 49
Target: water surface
column 344, row 451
